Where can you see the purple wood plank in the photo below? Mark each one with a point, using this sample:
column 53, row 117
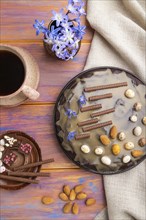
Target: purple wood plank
column 17, row 18
column 54, row 74
column 36, row 121
column 26, row 203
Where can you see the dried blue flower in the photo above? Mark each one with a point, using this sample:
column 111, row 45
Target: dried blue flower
column 65, row 32
column 70, row 113
column 75, row 44
column 71, row 135
column 81, row 10
column 59, row 17
column 66, row 24
column 82, row 100
column 39, row 26
column 71, row 8
column 75, row 1
column 51, row 36
column 69, row 54
column 68, row 36
column 79, row 30
column 58, row 45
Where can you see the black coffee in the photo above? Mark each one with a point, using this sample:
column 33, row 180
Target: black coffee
column 12, row 73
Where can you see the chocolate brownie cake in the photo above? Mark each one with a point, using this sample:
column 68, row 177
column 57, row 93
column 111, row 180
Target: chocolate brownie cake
column 100, row 120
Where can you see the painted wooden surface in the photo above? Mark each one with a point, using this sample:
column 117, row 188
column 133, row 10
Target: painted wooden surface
column 53, row 83
column 26, row 204
column 36, row 118
column 23, row 13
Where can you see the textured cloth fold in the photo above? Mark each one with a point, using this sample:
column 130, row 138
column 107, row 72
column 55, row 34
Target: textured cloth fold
column 120, row 40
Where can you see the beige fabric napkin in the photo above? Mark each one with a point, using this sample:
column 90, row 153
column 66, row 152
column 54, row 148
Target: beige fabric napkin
column 119, row 40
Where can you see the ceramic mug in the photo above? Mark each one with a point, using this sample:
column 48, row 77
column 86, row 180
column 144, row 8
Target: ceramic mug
column 17, row 72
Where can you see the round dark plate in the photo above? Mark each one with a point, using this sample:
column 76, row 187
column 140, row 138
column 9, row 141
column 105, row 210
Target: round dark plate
column 22, row 159
column 61, row 100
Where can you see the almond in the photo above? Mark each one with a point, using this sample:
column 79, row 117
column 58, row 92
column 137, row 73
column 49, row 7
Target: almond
column 79, row 188
column 116, row 149
column 63, row 196
column 81, row 195
column 75, row 209
column 137, row 153
column 72, row 195
column 113, row 132
column 67, row 207
column 66, row 190
column 90, row 201
column 104, row 140
column 47, row 200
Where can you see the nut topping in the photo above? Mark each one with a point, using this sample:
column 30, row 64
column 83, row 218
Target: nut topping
column 137, row 131
column 121, row 136
column 137, row 106
column 116, row 149
column 142, row 142
column 98, row 151
column 133, row 118
column 113, row 132
column 137, row 153
column 106, row 160
column 144, row 120
column 105, row 140
column 129, row 145
column 85, row 149
column 129, row 93
column 126, row 159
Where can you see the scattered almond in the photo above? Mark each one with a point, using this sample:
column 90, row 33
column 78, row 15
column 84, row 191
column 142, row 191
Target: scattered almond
column 47, row 200
column 116, row 149
column 63, row 196
column 66, row 190
column 113, row 132
column 72, row 195
column 67, row 207
column 104, row 140
column 75, row 209
column 81, row 196
column 78, row 188
column 90, row 202
column 137, row 153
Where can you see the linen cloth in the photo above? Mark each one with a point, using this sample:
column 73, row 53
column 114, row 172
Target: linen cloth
column 120, row 40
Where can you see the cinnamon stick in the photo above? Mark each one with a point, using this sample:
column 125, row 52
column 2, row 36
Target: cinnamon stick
column 104, row 112
column 90, row 107
column 18, row 179
column 34, row 164
column 100, row 125
column 108, row 86
column 31, row 174
column 82, row 136
column 88, row 122
column 98, row 97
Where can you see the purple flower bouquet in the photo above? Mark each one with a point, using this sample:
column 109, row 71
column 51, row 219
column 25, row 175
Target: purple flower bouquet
column 63, row 36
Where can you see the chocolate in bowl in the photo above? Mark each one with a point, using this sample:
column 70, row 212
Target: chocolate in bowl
column 21, row 159
column 68, row 98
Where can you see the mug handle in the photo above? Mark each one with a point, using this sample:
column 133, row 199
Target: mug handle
column 30, row 93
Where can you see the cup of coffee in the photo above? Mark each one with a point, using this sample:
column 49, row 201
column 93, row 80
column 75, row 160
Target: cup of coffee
column 17, row 68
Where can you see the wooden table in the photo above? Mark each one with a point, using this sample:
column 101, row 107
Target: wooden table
column 36, row 118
